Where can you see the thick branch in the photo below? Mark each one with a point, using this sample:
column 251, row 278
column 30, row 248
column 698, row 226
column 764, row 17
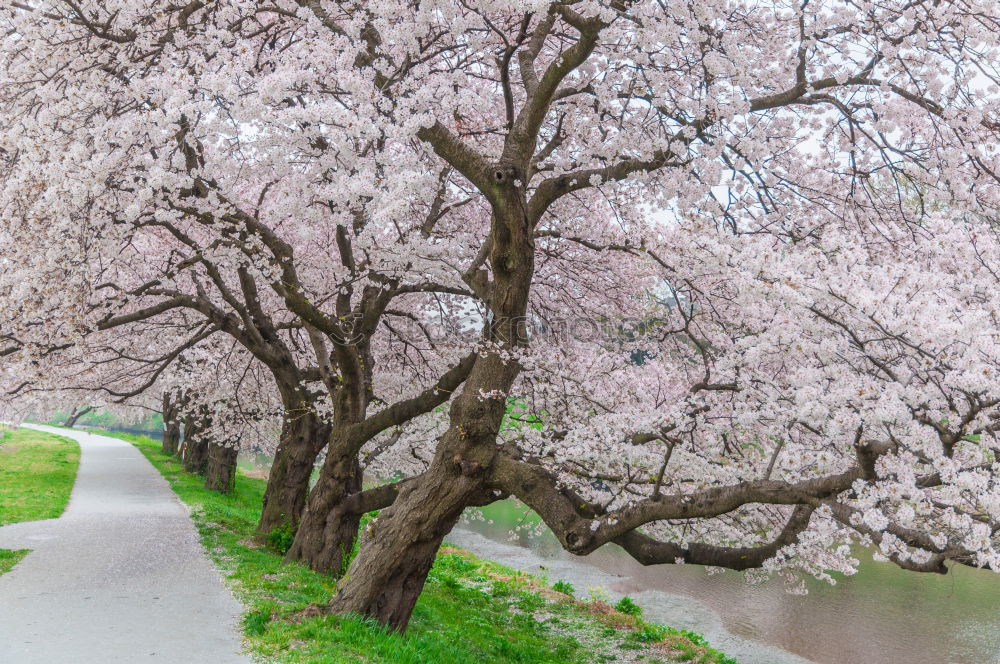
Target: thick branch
column 426, row 401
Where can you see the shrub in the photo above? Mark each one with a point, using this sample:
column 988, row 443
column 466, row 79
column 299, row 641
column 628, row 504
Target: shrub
column 280, row 539
column 628, row 606
column 564, row 587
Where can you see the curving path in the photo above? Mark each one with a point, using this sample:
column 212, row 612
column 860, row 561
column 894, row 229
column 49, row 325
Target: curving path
column 120, row 577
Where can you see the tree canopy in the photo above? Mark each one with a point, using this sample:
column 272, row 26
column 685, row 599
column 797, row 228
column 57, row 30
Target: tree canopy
column 786, row 209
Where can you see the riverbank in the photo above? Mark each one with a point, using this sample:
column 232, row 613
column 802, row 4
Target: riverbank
column 37, row 472
column 471, row 610
column 881, row 614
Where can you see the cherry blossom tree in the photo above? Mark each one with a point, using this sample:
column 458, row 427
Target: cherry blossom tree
column 775, row 122
column 221, row 216
column 795, row 199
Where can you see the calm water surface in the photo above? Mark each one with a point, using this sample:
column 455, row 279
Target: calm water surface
column 881, row 615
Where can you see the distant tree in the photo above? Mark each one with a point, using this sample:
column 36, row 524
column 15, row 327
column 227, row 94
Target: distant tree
column 76, row 414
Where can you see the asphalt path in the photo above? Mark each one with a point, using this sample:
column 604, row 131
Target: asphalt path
column 121, row 576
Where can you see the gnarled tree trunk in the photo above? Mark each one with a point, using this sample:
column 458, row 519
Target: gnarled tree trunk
column 195, row 446
column 325, row 537
column 220, row 473
column 76, row 415
column 397, row 551
column 303, row 437
column 329, row 528
column 385, row 579
column 171, row 425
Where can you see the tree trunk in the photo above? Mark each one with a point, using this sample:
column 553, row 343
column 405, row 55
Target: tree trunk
column 77, row 414
column 397, row 552
column 302, row 439
column 172, row 438
column 171, row 426
column 398, row 549
column 195, row 447
column 220, row 474
column 329, row 528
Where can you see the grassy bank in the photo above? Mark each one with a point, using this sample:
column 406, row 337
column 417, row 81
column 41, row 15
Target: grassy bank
column 470, row 611
column 37, row 471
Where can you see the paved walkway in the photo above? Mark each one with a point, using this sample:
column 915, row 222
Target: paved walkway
column 120, row 577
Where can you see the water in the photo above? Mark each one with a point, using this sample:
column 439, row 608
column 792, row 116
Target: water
column 882, row 615
column 155, row 434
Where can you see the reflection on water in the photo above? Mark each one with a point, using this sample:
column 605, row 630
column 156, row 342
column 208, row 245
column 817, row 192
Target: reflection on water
column 882, row 615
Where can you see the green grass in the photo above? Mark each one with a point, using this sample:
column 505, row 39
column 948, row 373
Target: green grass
column 471, row 611
column 10, row 558
column 37, row 471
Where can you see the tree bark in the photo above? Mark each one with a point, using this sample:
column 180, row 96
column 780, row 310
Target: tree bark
column 77, row 414
column 303, row 437
column 329, row 528
column 171, row 426
column 220, row 473
column 325, row 537
column 328, row 531
column 172, row 438
column 398, row 549
column 195, row 447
